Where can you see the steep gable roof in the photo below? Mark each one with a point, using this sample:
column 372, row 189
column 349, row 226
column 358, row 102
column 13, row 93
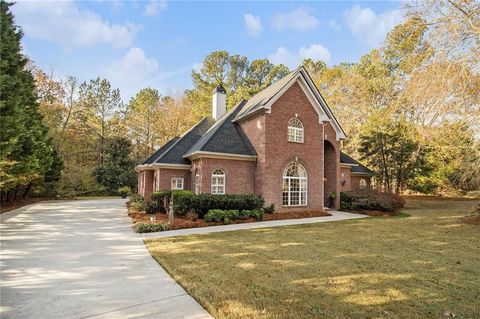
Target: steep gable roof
column 174, row 154
column 265, row 98
column 225, row 137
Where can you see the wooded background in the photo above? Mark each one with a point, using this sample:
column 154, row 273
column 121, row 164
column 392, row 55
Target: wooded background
column 410, row 109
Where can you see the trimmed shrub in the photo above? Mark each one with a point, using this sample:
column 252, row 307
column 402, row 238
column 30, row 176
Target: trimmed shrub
column 124, row 191
column 257, row 214
column 368, row 199
column 269, row 209
column 150, row 208
column 135, row 198
column 184, row 202
column 149, row 228
column 139, row 206
column 162, row 200
column 215, row 215
column 227, row 216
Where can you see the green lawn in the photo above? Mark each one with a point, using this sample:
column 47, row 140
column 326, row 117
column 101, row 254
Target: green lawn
column 403, row 267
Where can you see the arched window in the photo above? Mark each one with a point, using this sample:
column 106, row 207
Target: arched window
column 197, row 181
column 294, row 185
column 363, row 183
column 295, row 130
column 218, row 182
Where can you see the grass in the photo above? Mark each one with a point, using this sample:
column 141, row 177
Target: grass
column 398, row 267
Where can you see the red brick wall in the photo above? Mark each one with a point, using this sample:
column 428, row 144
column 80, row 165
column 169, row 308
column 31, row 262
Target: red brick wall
column 279, row 152
column 345, row 179
column 166, row 176
column 147, row 177
column 355, row 181
column 239, row 175
column 255, row 130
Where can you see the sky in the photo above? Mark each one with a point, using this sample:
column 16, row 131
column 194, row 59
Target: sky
column 156, row 43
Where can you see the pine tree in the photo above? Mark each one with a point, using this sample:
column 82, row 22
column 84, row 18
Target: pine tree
column 26, row 151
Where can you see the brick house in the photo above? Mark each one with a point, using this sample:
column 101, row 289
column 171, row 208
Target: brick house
column 283, row 143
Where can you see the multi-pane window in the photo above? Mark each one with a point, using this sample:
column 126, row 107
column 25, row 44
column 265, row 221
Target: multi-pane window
column 295, row 131
column 294, row 185
column 218, row 181
column 177, row 183
column 197, row 181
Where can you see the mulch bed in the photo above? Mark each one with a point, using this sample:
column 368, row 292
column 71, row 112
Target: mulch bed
column 182, row 222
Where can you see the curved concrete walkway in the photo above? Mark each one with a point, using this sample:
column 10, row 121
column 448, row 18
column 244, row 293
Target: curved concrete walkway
column 336, row 216
column 80, row 259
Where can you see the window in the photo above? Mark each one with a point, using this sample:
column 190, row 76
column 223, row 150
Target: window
column 363, row 183
column 197, row 181
column 177, row 183
column 295, row 131
column 218, row 182
column 294, row 185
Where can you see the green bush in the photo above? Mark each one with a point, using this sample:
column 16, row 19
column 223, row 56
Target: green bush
column 139, row 206
column 149, row 228
column 162, row 200
column 136, row 198
column 368, row 199
column 257, row 214
column 227, row 216
column 269, row 209
column 215, row 215
column 184, row 202
column 151, row 208
column 124, row 190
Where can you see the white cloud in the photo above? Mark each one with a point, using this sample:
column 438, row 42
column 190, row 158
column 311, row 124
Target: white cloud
column 293, row 60
column 299, row 20
column 154, row 7
column 370, row 27
column 334, row 25
column 63, row 22
column 253, row 24
column 134, row 70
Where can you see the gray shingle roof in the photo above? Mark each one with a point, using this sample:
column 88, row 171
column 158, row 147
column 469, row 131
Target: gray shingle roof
column 174, row 154
column 225, row 136
column 359, row 168
column 160, row 151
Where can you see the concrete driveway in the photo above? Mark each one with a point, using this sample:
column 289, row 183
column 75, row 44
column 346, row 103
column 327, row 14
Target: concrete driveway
column 80, row 259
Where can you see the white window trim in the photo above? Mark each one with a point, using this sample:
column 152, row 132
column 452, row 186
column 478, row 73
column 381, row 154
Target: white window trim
column 176, row 179
column 298, row 133
column 214, row 186
column 301, row 179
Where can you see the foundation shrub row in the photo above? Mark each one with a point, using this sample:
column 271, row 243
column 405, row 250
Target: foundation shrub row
column 369, row 199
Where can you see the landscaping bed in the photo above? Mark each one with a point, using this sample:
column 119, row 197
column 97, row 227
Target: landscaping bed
column 183, row 222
